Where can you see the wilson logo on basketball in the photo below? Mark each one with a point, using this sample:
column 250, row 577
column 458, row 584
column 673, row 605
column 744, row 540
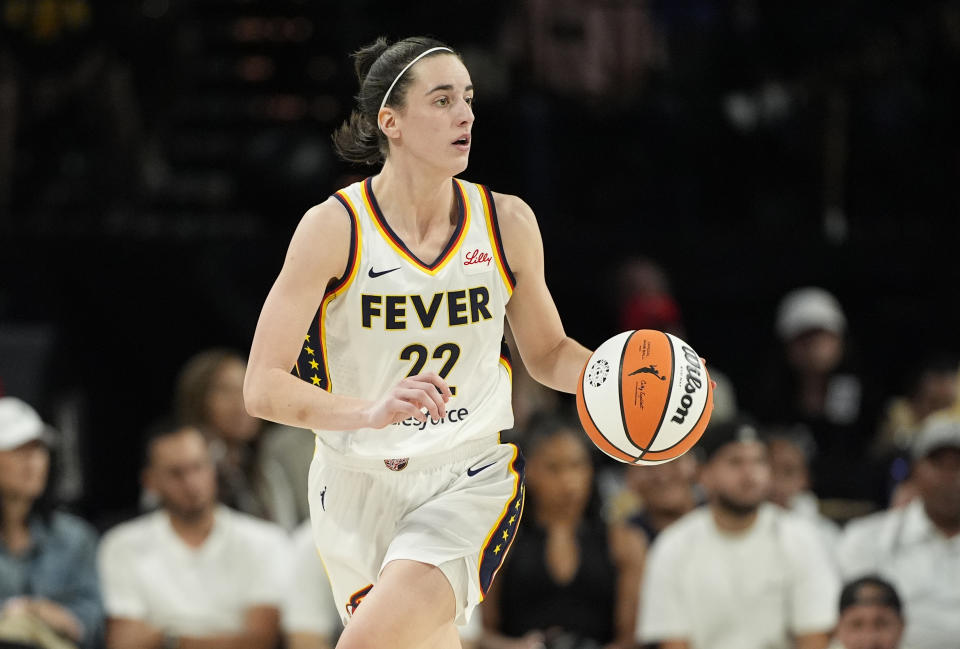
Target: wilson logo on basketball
column 692, row 383
column 477, row 257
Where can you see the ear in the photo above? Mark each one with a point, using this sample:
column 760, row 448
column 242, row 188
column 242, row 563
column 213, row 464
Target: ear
column 387, row 121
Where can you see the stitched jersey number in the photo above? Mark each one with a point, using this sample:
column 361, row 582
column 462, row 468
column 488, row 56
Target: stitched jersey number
column 449, row 350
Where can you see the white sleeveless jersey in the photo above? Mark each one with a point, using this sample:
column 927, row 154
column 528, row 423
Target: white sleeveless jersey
column 392, row 315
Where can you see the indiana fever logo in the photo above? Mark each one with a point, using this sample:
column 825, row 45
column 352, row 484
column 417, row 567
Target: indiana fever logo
column 649, row 369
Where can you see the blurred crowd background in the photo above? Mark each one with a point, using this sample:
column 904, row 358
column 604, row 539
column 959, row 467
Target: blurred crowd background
column 776, row 183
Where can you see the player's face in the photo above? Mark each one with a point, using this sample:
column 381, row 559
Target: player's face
column 182, row 474
column 225, row 411
column 436, row 122
column 938, row 481
column 23, row 471
column 869, row 626
column 739, row 475
column 559, row 474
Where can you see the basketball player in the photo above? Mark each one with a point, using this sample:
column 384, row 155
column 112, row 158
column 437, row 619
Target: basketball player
column 414, row 503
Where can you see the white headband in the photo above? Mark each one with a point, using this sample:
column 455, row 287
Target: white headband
column 422, row 54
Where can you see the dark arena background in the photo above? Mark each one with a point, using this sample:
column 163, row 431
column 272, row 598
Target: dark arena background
column 156, row 156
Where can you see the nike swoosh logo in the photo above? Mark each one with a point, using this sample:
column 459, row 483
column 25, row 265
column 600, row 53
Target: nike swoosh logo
column 473, row 472
column 374, row 273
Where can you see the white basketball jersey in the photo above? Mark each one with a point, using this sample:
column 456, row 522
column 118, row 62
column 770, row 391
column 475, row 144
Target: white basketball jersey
column 392, row 315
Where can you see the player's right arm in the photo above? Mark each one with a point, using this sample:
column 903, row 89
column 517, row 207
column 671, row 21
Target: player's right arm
column 316, row 256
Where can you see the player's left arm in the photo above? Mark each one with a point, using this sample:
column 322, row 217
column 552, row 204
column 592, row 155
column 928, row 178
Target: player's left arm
column 550, row 356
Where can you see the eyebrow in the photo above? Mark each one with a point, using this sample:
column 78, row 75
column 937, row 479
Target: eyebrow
column 447, row 86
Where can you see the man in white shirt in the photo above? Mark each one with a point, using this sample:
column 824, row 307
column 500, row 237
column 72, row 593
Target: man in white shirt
column 310, row 617
column 740, row 573
column 193, row 574
column 917, row 546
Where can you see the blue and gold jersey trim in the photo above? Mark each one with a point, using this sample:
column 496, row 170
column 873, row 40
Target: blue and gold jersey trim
column 493, row 230
column 501, row 536
column 448, row 253
column 312, row 365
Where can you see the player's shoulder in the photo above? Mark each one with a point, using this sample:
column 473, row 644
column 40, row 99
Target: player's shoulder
column 511, row 207
column 329, row 215
column 517, row 224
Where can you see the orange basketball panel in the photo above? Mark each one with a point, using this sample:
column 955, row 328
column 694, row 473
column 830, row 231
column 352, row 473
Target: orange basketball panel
column 646, row 371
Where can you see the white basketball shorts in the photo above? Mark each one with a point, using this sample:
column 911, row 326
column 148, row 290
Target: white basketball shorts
column 458, row 511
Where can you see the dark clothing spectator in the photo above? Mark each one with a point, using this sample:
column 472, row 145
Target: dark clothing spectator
column 533, row 598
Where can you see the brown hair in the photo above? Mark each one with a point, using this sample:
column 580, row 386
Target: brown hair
column 359, row 139
column 194, row 383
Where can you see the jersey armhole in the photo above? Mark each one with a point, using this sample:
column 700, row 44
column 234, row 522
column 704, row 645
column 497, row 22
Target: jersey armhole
column 496, row 238
column 353, row 257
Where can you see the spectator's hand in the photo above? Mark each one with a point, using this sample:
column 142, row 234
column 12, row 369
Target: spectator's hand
column 57, row 617
column 14, row 606
column 408, row 398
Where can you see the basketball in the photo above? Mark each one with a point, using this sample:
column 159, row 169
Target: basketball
column 644, row 397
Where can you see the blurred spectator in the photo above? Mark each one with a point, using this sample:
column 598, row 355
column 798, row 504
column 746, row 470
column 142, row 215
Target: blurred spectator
column 741, row 572
column 62, row 85
column 645, row 298
column 49, row 593
column 591, row 50
column 193, row 574
column 790, row 451
column 645, row 301
column 264, row 478
column 870, row 616
column 816, row 384
column 665, row 492
column 310, row 616
column 569, row 580
column 917, row 547
column 932, row 386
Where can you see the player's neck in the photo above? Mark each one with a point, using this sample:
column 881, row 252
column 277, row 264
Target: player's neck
column 414, row 201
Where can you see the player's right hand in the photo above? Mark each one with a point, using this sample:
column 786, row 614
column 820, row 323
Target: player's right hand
column 408, row 399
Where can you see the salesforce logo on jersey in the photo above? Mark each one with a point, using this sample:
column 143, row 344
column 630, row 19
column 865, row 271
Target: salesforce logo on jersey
column 454, row 416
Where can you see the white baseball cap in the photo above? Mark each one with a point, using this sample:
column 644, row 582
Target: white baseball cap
column 809, row 308
column 19, row 424
column 939, row 432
